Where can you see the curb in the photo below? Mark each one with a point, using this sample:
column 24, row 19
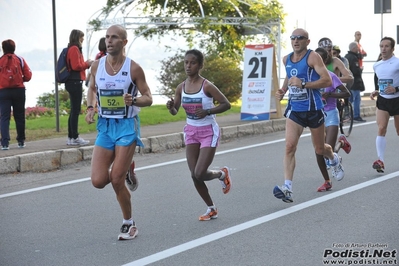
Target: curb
column 55, row 159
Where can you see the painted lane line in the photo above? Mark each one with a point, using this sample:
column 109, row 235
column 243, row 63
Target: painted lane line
column 154, row 166
column 255, row 222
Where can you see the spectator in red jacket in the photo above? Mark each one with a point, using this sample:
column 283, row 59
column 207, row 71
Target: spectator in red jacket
column 15, row 71
column 102, row 47
column 74, row 85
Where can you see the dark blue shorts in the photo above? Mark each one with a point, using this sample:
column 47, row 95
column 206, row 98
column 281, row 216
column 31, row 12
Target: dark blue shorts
column 311, row 119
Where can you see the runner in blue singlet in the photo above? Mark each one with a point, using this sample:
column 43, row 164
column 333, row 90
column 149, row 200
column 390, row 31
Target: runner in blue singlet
column 306, row 74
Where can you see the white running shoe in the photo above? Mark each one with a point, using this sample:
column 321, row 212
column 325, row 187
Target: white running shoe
column 283, row 193
column 334, row 161
column 337, row 170
column 78, row 142
column 128, row 231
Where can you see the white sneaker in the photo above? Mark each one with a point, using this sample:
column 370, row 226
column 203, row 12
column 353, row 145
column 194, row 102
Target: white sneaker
column 338, row 170
column 128, row 231
column 78, row 142
column 68, row 141
column 283, row 193
column 335, row 161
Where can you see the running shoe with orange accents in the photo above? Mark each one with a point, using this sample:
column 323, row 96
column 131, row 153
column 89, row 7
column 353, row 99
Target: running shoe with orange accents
column 325, row 187
column 346, row 146
column 379, row 166
column 211, row 213
column 226, row 181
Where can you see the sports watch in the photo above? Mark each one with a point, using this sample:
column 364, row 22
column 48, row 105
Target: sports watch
column 303, row 84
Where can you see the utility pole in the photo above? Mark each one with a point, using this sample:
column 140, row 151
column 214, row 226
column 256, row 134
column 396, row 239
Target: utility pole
column 381, row 7
column 57, row 111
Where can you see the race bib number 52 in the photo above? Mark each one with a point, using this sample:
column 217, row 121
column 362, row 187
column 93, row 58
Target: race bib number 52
column 112, row 103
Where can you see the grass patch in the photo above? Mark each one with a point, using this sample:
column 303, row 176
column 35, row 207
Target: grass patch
column 45, row 127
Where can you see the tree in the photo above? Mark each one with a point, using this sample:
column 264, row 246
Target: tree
column 48, row 99
column 225, row 73
column 215, row 37
column 223, row 42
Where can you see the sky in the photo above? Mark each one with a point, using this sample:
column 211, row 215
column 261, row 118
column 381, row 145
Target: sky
column 30, row 24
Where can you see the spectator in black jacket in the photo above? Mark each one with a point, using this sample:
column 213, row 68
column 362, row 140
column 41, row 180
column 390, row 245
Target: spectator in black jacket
column 358, row 85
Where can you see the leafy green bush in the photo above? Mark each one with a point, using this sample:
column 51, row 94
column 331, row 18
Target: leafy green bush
column 47, row 100
column 225, row 73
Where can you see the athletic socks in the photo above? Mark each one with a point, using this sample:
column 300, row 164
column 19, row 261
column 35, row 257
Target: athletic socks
column 288, row 184
column 380, row 143
column 130, row 221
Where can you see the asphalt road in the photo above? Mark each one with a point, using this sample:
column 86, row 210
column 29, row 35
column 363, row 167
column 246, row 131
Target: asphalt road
column 58, row 218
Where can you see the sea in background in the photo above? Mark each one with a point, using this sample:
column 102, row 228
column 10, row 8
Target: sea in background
column 43, row 82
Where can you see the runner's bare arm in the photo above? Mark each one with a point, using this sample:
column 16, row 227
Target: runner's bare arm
column 138, row 76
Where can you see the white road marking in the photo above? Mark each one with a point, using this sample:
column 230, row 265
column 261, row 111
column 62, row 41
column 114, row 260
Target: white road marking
column 234, row 229
column 2, row 196
column 255, row 222
column 137, row 169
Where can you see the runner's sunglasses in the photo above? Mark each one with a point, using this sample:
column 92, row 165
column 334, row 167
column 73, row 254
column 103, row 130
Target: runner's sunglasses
column 298, row 37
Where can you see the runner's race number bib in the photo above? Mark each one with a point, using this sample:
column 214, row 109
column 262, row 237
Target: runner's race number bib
column 298, row 94
column 112, row 103
column 383, row 84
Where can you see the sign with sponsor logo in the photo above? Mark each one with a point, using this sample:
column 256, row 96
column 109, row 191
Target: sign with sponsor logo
column 259, row 83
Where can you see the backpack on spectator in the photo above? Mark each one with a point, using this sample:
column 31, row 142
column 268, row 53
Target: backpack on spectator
column 10, row 71
column 62, row 71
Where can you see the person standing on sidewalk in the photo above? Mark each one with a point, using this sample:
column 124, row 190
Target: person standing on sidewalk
column 358, row 85
column 201, row 132
column 306, row 75
column 14, row 71
column 387, row 73
column 115, row 81
column 330, row 95
column 362, row 53
column 74, row 85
